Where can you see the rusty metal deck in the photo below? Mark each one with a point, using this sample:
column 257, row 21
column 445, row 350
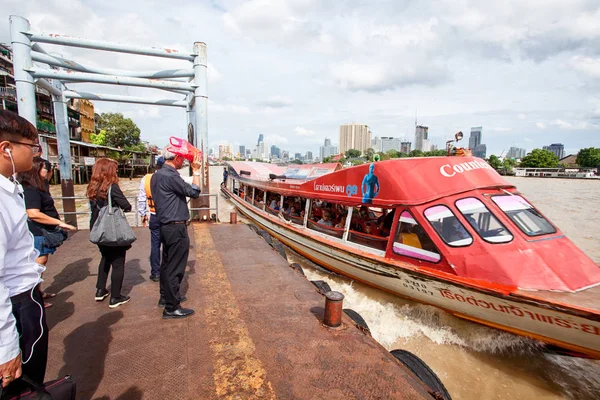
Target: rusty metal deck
column 256, row 333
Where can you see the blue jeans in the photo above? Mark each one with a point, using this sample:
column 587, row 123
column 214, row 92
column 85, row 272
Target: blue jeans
column 154, row 246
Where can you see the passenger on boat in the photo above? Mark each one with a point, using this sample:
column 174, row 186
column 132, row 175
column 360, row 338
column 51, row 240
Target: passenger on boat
column 342, row 223
column 371, row 229
column 325, row 219
column 274, row 203
column 408, row 237
column 292, row 212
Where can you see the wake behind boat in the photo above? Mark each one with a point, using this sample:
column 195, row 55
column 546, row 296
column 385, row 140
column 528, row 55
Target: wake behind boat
column 444, row 231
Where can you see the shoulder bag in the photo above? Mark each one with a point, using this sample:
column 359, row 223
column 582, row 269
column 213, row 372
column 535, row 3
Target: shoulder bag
column 111, row 228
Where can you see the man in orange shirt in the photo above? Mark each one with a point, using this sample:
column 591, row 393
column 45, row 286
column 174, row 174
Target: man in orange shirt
column 148, row 214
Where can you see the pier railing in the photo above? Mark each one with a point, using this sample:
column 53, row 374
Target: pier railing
column 84, row 211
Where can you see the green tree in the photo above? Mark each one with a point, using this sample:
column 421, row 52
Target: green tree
column 120, row 131
column 357, row 161
column 416, row 153
column 494, row 161
column 369, row 154
column 393, row 153
column 296, row 161
column 539, row 158
column 327, row 160
column 226, row 158
column 99, row 138
column 383, row 156
column 140, row 147
column 589, row 158
column 352, row 153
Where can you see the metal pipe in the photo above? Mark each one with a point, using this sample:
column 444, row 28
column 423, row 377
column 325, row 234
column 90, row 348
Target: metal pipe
column 199, row 109
column 21, row 47
column 113, row 80
column 124, row 99
column 333, row 309
column 44, row 84
column 106, row 46
column 69, row 64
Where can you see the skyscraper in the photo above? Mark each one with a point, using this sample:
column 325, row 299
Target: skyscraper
column 516, row 153
column 327, row 150
column 390, row 143
column 475, row 138
column 376, row 144
column 480, row 151
column 355, row 136
column 422, row 138
column 275, row 152
column 242, row 151
column 405, row 147
column 309, row 156
column 558, row 149
column 225, row 150
column 260, row 138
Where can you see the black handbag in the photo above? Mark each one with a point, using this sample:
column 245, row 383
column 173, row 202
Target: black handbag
column 53, row 237
column 59, row 389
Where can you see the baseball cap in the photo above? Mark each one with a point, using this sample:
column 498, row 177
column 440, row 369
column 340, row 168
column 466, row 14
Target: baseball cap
column 160, row 160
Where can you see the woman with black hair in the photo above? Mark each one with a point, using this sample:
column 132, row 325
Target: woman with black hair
column 41, row 212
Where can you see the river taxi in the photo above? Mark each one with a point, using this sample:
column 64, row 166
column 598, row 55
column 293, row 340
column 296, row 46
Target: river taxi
column 444, row 231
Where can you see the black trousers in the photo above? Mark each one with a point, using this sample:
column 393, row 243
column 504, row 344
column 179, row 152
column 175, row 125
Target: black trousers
column 176, row 248
column 27, row 314
column 115, row 257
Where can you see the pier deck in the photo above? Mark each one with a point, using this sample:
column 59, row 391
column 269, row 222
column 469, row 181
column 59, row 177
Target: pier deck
column 256, row 334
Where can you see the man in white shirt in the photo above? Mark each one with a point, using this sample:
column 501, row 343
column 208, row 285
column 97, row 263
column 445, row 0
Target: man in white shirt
column 23, row 330
column 148, row 214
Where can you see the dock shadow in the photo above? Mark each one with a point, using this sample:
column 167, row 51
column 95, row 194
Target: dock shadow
column 85, row 351
column 318, row 313
column 72, row 273
column 133, row 393
column 61, row 309
column 134, row 275
column 190, row 270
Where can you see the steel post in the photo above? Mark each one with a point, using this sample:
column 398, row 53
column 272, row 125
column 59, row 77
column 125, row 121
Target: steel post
column 64, row 153
column 124, row 99
column 333, row 309
column 21, row 47
column 200, row 109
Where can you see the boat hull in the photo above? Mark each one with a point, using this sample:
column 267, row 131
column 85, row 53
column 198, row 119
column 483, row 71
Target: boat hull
column 527, row 318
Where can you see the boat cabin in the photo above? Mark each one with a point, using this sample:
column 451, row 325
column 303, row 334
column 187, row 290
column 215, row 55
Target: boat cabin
column 454, row 216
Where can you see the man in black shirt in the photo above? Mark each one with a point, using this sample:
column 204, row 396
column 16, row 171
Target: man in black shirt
column 169, row 191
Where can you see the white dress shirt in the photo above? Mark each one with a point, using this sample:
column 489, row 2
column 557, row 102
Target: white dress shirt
column 18, row 270
column 142, row 199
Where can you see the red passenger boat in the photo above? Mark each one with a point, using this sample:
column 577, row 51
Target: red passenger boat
column 444, row 231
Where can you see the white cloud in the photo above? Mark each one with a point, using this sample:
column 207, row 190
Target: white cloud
column 540, row 125
column 578, row 125
column 501, row 129
column 521, row 116
column 277, row 102
column 276, row 139
column 299, row 131
column 587, row 65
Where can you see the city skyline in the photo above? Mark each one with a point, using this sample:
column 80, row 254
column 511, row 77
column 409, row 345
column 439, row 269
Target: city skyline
column 531, row 78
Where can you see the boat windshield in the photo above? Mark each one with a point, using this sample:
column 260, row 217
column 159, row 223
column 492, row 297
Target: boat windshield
column 448, row 226
column 483, row 221
column 527, row 218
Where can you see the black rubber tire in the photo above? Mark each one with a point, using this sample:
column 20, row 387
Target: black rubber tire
column 254, row 228
column 266, row 235
column 278, row 247
column 298, row 268
column 322, row 286
column 423, row 372
column 358, row 319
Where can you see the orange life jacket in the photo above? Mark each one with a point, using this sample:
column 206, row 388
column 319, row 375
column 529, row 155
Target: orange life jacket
column 150, row 202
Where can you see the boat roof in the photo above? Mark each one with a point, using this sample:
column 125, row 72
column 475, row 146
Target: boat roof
column 407, row 181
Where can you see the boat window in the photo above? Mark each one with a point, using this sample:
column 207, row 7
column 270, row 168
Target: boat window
column 273, row 203
column 367, row 227
column 329, row 218
column 259, row 198
column 483, row 221
column 524, row 215
column 412, row 240
column 450, row 229
column 294, row 209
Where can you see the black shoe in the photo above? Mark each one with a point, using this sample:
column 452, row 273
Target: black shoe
column 101, row 294
column 117, row 301
column 162, row 302
column 155, row 278
column 179, row 313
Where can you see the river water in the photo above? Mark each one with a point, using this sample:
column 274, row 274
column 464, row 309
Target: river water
column 473, row 361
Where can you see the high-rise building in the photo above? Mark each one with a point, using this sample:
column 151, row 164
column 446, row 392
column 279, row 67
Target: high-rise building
column 262, row 151
column 376, row 144
column 260, row 138
column 327, row 150
column 480, row 151
column 242, row 151
column 422, row 138
column 297, row 156
column 309, row 156
column 558, row 149
column 516, row 153
column 355, row 136
column 390, row 143
column 405, row 147
column 475, row 138
column 275, row 152
column 225, row 150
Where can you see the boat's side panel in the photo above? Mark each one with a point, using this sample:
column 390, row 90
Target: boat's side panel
column 555, row 327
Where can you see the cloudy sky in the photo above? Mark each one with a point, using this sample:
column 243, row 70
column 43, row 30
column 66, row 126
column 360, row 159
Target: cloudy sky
column 528, row 71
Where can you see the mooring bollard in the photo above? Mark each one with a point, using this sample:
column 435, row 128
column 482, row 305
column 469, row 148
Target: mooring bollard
column 233, row 218
column 333, row 309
